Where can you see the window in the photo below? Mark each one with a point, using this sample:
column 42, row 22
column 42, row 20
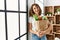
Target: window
column 12, row 5
column 22, row 5
column 23, row 25
column 1, row 4
column 2, row 26
column 24, row 37
column 13, row 28
column 12, row 15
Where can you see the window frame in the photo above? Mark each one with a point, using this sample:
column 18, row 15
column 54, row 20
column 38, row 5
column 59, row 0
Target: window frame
column 13, row 11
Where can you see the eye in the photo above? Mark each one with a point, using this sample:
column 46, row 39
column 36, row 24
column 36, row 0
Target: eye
column 34, row 8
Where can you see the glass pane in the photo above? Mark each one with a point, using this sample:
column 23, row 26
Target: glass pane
column 2, row 26
column 22, row 23
column 12, row 4
column 24, row 37
column 1, row 4
column 22, row 5
column 13, row 28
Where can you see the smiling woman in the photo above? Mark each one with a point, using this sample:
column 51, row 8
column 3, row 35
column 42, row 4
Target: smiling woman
column 30, row 2
column 40, row 34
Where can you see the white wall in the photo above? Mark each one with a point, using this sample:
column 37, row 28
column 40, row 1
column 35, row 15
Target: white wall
column 51, row 2
column 30, row 2
column 40, row 3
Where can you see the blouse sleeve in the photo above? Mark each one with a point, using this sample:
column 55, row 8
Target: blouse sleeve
column 30, row 19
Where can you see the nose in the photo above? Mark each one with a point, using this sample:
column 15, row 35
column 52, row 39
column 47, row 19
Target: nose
column 36, row 10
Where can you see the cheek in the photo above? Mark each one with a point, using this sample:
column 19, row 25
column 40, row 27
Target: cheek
column 38, row 10
column 34, row 10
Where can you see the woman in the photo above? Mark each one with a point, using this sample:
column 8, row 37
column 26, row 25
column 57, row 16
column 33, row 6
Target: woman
column 36, row 10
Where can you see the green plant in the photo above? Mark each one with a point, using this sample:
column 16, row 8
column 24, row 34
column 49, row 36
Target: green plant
column 36, row 17
column 48, row 12
column 58, row 9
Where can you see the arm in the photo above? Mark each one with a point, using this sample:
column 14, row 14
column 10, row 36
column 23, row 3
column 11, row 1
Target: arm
column 30, row 26
column 30, row 29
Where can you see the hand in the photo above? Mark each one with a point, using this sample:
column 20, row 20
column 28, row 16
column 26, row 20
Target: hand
column 42, row 33
column 40, row 18
column 37, row 33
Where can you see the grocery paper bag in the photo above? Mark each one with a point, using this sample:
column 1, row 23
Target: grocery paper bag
column 41, row 25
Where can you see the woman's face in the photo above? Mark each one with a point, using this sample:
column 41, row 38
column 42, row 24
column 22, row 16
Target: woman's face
column 36, row 10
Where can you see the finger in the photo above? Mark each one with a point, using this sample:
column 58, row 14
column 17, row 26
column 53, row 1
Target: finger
column 41, row 35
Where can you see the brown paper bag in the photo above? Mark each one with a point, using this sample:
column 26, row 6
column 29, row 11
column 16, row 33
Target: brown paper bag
column 41, row 25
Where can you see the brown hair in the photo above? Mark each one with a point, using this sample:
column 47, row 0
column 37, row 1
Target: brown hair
column 31, row 12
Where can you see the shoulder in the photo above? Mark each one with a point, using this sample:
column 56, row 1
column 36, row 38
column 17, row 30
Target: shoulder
column 30, row 19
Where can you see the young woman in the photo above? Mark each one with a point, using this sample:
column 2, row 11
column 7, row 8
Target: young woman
column 36, row 10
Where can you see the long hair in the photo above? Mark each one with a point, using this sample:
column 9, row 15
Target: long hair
column 31, row 12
